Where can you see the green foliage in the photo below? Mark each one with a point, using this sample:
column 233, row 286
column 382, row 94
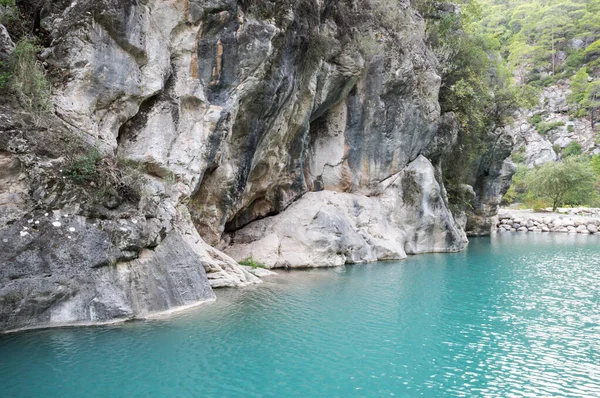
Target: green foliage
column 4, row 76
column 111, row 179
column 567, row 182
column 28, row 78
column 535, row 119
column 591, row 97
column 579, row 84
column 518, row 188
column 573, row 149
column 595, row 164
column 531, row 34
column 592, row 52
column 570, row 128
column 544, row 128
column 476, row 85
column 518, row 156
column 8, row 11
column 84, row 168
column 556, row 148
column 536, row 204
column 250, row 262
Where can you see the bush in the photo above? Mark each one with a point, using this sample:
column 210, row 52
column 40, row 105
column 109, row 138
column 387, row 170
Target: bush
column 8, row 11
column 112, row 179
column 518, row 187
column 518, row 156
column 573, row 149
column 567, row 182
column 570, row 128
column 4, row 76
column 542, row 128
column 535, row 119
column 28, row 79
column 556, row 148
column 250, row 262
column 84, row 168
column 536, row 204
column 595, row 164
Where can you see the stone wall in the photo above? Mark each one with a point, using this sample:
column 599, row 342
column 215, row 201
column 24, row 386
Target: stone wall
column 527, row 221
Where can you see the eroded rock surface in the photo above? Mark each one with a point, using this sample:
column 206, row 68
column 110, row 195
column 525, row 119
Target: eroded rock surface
column 305, row 134
column 408, row 215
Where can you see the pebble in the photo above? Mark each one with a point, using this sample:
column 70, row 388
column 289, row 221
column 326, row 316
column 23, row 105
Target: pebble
column 56, row 224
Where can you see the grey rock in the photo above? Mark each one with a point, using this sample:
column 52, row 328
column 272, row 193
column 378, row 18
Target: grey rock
column 577, row 44
column 6, row 44
column 490, row 180
column 49, row 279
column 325, row 229
column 241, row 128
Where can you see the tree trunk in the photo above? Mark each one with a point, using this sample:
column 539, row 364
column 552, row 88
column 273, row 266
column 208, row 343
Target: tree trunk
column 553, row 61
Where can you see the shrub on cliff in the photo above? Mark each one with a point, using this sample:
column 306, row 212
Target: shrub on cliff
column 573, row 149
column 26, row 78
column 109, row 180
column 8, row 11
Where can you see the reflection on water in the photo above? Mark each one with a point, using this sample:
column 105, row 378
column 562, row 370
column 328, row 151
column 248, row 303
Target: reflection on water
column 515, row 315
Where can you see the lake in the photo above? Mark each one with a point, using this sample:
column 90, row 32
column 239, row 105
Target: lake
column 514, row 315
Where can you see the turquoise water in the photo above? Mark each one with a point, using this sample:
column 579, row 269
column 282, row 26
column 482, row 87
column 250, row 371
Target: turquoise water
column 515, row 315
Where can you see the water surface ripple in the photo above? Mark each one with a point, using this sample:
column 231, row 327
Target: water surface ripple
column 515, row 315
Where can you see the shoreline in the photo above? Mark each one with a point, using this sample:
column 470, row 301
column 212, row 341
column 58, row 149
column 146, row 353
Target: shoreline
column 120, row 321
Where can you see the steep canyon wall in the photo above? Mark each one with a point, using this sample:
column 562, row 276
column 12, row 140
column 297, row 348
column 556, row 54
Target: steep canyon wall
column 300, row 133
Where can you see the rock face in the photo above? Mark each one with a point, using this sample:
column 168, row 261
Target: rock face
column 324, row 229
column 6, row 44
column 303, row 133
column 537, row 149
column 490, row 181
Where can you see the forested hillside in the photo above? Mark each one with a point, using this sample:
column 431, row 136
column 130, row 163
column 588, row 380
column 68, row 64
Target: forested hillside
column 552, row 47
column 546, row 41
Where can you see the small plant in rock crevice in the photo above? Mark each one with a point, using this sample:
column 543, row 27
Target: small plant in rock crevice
column 251, row 262
column 111, row 179
column 25, row 76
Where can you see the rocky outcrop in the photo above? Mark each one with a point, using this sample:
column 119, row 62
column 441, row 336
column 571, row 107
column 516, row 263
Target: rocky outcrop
column 323, row 229
column 534, row 148
column 6, row 44
column 491, row 180
column 244, row 122
column 588, row 222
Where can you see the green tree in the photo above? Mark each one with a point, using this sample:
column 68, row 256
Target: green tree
column 595, row 164
column 579, row 84
column 591, row 99
column 561, row 182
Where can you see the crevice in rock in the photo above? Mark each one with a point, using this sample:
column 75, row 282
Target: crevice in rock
column 127, row 131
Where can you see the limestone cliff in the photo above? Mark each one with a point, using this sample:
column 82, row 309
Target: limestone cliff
column 302, row 133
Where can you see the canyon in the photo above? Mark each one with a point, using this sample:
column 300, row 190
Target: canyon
column 297, row 133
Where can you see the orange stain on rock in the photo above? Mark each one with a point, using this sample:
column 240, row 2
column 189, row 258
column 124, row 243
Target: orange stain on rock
column 216, row 73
